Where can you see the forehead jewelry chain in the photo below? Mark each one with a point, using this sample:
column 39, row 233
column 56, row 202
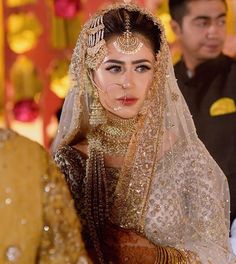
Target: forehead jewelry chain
column 96, row 46
column 128, row 43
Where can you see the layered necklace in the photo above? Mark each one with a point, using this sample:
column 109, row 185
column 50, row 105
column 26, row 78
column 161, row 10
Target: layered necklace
column 111, row 138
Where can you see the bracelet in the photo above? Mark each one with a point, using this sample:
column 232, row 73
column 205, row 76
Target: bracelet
column 170, row 255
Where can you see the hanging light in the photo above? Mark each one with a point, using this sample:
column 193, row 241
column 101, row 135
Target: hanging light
column 23, row 31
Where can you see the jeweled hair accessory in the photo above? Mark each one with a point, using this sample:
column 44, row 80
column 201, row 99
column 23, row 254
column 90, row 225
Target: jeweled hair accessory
column 96, row 50
column 128, row 43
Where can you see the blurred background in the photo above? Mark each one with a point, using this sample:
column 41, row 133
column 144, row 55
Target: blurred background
column 36, row 42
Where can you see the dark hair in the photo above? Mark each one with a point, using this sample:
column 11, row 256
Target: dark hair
column 179, row 8
column 114, row 22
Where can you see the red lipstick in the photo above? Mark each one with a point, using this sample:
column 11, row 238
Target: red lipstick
column 127, row 101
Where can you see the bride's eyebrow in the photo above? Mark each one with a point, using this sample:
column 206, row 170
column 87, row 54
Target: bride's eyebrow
column 115, row 61
column 141, row 61
column 122, row 62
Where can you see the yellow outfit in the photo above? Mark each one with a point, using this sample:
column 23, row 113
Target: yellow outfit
column 38, row 222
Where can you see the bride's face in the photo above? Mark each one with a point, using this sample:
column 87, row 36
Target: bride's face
column 124, row 79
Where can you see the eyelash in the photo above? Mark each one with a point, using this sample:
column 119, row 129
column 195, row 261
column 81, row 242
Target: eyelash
column 144, row 68
column 113, row 67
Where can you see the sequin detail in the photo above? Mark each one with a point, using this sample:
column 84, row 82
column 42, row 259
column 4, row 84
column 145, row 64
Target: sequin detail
column 122, row 246
column 13, row 254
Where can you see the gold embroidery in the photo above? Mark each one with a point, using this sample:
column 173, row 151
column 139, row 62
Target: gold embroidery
column 114, row 136
column 174, row 96
column 135, row 180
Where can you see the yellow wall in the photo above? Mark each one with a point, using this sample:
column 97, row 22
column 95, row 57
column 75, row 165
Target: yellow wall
column 1, row 61
column 231, row 16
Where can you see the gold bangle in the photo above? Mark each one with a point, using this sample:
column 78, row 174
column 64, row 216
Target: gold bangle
column 170, row 255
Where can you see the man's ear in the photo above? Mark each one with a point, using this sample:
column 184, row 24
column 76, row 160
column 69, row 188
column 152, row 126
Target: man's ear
column 175, row 27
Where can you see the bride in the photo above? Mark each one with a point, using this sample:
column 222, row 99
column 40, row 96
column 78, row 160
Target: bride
column 144, row 185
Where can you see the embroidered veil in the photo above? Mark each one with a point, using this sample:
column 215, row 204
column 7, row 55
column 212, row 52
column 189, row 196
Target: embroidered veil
column 169, row 188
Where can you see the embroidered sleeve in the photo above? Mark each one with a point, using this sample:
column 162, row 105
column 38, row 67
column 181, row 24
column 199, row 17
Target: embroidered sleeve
column 72, row 165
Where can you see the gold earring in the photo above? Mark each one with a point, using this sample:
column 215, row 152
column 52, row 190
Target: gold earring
column 97, row 116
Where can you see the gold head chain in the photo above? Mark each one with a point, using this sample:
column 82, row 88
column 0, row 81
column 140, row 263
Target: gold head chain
column 96, row 50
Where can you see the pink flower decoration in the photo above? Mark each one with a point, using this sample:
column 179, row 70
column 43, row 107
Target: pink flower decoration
column 26, row 110
column 66, row 8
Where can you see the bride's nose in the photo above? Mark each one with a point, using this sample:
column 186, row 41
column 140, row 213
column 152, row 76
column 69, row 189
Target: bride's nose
column 126, row 85
column 128, row 80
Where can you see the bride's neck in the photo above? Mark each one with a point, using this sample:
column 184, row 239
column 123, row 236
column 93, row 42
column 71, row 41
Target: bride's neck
column 113, row 137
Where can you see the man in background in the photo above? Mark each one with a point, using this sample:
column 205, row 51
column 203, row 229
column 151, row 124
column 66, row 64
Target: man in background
column 207, row 79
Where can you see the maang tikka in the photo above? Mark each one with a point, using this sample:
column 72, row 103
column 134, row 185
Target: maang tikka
column 97, row 115
column 128, row 43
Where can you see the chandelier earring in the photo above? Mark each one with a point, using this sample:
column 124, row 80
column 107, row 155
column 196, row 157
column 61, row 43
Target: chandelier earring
column 97, row 116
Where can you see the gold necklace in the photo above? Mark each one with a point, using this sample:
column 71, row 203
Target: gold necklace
column 114, row 136
column 110, row 138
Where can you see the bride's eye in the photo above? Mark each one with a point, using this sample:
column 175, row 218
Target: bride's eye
column 142, row 68
column 114, row 68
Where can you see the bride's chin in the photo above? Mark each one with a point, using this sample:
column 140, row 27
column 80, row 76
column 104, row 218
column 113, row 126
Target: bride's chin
column 125, row 114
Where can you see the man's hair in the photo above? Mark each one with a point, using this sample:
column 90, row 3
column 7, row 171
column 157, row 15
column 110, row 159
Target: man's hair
column 179, row 8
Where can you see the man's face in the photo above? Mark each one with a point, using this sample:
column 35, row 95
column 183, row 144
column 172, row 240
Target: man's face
column 203, row 29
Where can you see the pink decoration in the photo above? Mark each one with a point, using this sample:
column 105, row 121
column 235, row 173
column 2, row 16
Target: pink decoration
column 26, row 110
column 66, row 8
